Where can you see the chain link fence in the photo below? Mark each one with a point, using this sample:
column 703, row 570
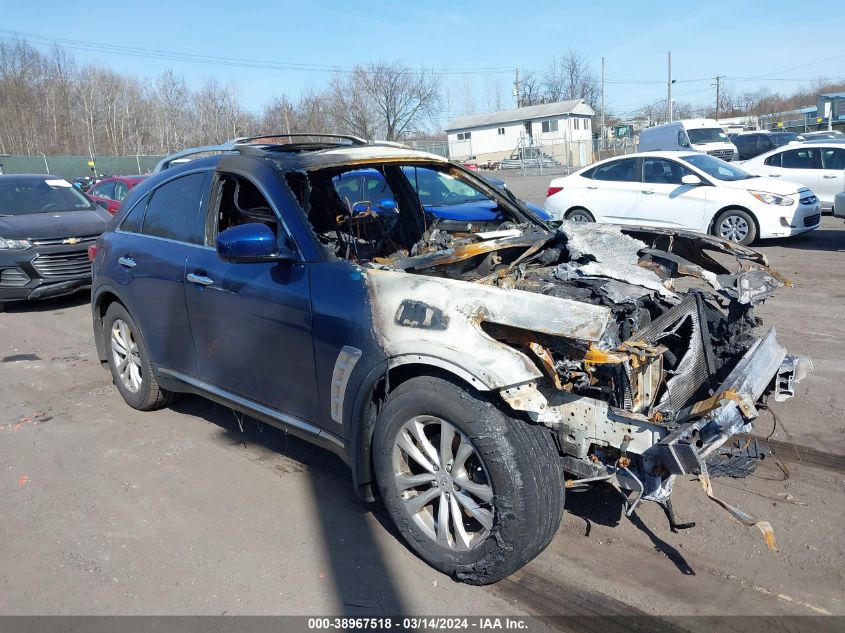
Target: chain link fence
column 71, row 167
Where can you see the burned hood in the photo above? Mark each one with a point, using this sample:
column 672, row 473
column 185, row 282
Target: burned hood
column 633, row 261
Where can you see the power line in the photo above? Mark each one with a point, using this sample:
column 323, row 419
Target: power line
column 132, row 51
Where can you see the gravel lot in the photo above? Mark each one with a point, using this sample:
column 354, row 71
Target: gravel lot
column 113, row 511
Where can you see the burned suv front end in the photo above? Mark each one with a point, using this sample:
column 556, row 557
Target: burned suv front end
column 644, row 354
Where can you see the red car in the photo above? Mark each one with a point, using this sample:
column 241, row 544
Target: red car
column 110, row 192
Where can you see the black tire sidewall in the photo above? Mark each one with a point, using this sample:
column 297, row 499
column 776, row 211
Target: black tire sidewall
column 745, row 215
column 141, row 398
column 490, row 432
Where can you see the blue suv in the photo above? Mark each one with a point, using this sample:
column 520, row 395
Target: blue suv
column 459, row 365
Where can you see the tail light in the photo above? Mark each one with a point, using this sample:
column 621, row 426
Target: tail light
column 553, row 190
column 92, row 252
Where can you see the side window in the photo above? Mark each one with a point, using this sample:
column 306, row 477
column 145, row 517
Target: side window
column 623, row 170
column 362, row 186
column 120, row 191
column 773, row 160
column 439, row 189
column 135, row 218
column 173, row 209
column 799, row 159
column 833, row 158
column 240, row 201
column 104, row 190
column 662, row 171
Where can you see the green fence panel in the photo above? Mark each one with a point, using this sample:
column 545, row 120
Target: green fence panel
column 71, row 167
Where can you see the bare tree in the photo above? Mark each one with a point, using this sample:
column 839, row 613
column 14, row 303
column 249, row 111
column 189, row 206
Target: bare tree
column 571, row 77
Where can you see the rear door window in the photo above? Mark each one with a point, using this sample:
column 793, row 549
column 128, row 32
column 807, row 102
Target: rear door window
column 804, row 158
column 623, row 170
column 173, row 210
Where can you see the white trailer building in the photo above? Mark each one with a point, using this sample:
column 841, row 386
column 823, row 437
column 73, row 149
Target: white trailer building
column 561, row 130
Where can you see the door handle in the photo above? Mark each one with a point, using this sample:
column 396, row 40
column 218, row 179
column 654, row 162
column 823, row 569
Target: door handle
column 647, row 192
column 588, row 187
column 774, row 175
column 202, row 280
column 127, row 261
column 829, row 176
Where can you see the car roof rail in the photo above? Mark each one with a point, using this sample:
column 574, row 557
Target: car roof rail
column 233, row 145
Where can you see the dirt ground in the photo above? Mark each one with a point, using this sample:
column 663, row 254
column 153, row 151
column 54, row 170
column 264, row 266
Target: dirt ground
column 107, row 510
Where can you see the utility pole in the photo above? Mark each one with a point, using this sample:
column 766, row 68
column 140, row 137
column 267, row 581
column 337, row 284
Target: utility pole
column 718, row 85
column 516, row 92
column 601, row 144
column 669, row 112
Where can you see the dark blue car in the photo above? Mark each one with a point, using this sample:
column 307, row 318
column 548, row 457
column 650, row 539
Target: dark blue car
column 422, row 324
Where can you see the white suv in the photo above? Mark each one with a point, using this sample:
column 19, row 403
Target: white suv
column 688, row 190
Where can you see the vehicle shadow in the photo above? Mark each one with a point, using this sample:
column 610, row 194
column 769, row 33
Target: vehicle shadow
column 819, row 240
column 363, row 582
column 48, row 305
column 603, row 505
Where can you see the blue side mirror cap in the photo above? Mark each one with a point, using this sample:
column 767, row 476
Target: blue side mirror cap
column 251, row 243
column 388, row 204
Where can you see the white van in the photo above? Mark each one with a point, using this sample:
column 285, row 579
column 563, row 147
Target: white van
column 699, row 135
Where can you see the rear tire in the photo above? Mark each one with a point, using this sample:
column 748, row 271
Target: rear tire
column 499, row 475
column 735, row 225
column 129, row 362
column 579, row 215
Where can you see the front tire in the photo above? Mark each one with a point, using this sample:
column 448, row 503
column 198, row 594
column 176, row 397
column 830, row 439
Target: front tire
column 129, row 362
column 735, row 225
column 475, row 492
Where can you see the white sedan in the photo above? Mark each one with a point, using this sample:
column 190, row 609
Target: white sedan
column 819, row 166
column 684, row 190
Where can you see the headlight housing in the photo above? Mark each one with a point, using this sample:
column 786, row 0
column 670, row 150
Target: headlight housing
column 771, row 198
column 8, row 244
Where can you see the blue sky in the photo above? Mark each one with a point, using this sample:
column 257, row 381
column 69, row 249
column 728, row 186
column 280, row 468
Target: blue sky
column 753, row 44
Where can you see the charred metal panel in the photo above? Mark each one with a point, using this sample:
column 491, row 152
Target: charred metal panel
column 461, row 307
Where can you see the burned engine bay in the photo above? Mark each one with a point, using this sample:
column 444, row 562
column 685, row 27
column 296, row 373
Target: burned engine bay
column 637, row 346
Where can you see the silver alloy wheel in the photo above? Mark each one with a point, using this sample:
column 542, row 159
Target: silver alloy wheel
column 443, row 483
column 733, row 228
column 125, row 353
column 577, row 216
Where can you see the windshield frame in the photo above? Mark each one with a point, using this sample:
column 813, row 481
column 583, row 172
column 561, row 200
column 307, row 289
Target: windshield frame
column 31, row 182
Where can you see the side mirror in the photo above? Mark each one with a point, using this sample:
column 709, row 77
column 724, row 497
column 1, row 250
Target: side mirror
column 388, row 204
column 361, row 207
column 253, row 242
column 691, row 179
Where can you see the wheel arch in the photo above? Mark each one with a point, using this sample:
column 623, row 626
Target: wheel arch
column 579, row 207
column 102, row 298
column 730, row 207
column 372, row 391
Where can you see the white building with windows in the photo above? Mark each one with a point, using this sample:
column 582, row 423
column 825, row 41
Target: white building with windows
column 561, row 131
